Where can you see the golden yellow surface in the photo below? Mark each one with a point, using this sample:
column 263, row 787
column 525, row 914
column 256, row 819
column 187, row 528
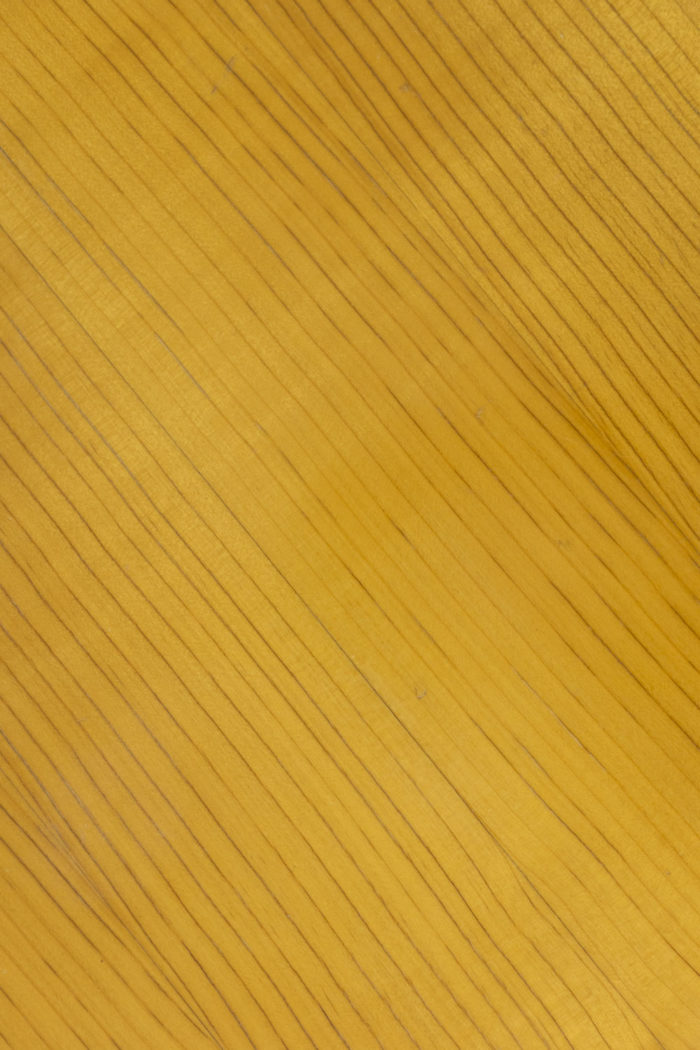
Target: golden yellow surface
column 349, row 570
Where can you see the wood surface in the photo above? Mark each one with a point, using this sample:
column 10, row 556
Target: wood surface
column 349, row 572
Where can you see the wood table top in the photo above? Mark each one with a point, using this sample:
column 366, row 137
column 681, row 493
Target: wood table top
column 349, row 566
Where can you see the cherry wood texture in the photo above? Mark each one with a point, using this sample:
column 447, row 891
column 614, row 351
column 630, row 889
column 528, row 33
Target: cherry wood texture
column 349, row 573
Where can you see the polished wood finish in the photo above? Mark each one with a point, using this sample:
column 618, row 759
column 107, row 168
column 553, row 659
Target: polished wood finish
column 348, row 524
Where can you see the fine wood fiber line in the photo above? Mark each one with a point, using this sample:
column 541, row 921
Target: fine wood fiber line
column 349, row 563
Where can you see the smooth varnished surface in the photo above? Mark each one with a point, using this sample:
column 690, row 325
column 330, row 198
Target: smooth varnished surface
column 349, row 563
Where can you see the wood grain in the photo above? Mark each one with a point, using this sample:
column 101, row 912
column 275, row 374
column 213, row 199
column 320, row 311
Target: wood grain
column 349, row 522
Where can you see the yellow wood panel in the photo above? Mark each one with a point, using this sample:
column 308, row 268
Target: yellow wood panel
column 348, row 524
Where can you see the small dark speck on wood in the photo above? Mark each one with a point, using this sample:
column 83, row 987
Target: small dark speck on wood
column 227, row 69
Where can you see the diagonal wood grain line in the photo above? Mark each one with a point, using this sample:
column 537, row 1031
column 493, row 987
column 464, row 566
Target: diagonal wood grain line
column 349, row 576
